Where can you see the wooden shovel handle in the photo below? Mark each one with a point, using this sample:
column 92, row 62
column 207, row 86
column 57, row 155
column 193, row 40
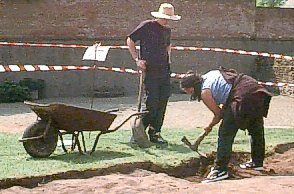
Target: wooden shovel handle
column 196, row 144
column 140, row 91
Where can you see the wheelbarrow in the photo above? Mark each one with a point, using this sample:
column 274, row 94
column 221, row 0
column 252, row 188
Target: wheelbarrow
column 40, row 139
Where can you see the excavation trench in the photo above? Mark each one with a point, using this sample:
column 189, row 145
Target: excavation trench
column 194, row 169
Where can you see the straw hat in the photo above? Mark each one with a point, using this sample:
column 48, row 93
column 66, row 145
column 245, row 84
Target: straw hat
column 166, row 11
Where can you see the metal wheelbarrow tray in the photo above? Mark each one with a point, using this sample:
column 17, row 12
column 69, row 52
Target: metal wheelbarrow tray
column 40, row 139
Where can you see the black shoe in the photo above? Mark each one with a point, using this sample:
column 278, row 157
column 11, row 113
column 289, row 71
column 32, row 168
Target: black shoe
column 216, row 175
column 156, row 138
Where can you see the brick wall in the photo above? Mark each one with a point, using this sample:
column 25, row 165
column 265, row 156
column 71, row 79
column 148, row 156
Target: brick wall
column 215, row 23
column 92, row 19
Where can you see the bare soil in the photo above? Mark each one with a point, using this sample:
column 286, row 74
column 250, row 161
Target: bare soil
column 148, row 178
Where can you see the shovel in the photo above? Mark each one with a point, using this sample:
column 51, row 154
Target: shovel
column 139, row 134
column 196, row 144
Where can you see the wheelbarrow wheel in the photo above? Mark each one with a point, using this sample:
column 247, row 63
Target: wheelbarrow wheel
column 43, row 147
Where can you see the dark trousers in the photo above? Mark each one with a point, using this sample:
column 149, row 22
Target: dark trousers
column 226, row 135
column 157, row 94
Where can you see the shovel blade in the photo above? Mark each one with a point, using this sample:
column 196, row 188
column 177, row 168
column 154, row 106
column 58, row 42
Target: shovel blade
column 139, row 134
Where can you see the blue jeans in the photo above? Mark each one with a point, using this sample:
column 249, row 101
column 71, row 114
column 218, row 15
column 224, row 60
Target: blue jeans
column 226, row 135
column 157, row 95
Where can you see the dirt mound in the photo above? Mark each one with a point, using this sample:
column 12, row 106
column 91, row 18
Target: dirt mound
column 282, row 161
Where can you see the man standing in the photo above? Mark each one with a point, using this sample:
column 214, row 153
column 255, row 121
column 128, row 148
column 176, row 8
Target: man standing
column 154, row 60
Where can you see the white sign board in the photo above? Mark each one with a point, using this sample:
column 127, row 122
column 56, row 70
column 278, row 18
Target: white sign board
column 96, row 52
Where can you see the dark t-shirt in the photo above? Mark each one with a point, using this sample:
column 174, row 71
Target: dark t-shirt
column 154, row 39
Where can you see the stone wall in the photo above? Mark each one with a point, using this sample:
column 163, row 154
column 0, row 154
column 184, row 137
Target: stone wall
column 284, row 72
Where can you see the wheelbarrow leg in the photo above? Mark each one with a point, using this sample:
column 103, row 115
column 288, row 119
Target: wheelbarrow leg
column 62, row 143
column 84, row 144
column 73, row 140
column 96, row 141
column 78, row 142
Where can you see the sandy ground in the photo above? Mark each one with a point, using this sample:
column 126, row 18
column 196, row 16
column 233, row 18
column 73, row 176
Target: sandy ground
column 142, row 181
column 180, row 114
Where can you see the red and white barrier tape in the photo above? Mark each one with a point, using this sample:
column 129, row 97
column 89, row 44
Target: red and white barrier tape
column 42, row 45
column 240, row 52
column 280, row 84
column 181, row 48
column 36, row 67
column 32, row 68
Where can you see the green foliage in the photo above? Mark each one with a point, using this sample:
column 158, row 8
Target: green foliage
column 270, row 3
column 11, row 91
column 32, row 84
column 114, row 148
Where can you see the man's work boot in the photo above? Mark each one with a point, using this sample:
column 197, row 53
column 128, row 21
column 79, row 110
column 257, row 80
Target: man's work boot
column 155, row 137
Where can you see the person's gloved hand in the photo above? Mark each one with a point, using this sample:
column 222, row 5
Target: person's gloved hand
column 141, row 64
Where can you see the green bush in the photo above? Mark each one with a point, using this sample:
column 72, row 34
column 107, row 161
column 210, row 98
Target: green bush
column 11, row 91
column 29, row 83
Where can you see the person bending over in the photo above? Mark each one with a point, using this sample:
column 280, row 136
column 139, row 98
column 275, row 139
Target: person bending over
column 244, row 104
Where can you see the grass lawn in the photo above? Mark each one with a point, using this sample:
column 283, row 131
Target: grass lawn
column 114, row 148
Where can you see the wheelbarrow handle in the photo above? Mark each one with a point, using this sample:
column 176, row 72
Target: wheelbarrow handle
column 116, row 128
column 123, row 122
column 112, row 110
